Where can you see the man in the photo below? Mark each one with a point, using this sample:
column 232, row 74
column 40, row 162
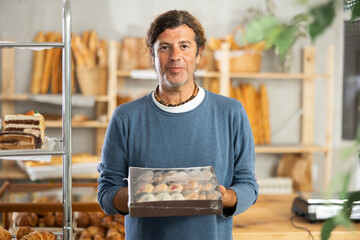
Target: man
column 179, row 125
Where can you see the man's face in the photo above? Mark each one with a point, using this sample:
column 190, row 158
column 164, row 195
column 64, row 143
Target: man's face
column 175, row 57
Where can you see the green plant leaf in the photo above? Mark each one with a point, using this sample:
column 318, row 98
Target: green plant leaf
column 284, row 41
column 322, row 15
column 355, row 13
column 273, row 35
column 258, row 29
column 326, row 229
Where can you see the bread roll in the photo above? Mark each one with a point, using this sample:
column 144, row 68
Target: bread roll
column 113, row 234
column 27, row 219
column 82, row 220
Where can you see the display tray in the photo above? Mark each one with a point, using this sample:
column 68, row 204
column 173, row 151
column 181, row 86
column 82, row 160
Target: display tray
column 21, row 197
column 55, row 171
column 160, row 192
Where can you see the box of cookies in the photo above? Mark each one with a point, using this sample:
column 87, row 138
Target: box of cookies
column 160, row 192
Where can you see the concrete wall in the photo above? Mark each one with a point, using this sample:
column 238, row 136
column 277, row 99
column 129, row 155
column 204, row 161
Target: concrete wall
column 113, row 19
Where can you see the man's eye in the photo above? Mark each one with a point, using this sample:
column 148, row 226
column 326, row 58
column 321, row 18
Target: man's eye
column 184, row 46
column 164, row 47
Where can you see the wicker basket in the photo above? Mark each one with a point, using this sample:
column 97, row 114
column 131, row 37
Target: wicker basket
column 92, row 80
column 244, row 59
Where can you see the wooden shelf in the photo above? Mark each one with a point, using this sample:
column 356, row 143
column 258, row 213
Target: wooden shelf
column 85, row 124
column 25, row 97
column 299, row 76
column 290, row 149
column 200, row 73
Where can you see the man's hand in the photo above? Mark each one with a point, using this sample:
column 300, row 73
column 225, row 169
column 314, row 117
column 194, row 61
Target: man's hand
column 121, row 200
column 229, row 197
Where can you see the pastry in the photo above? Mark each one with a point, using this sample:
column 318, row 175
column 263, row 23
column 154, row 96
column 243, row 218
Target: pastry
column 202, row 196
column 145, row 188
column 27, row 219
column 82, row 220
column 195, row 175
column 158, row 177
column 192, row 196
column 162, row 187
column 192, row 186
column 40, row 234
column 146, row 177
column 182, row 177
column 175, row 187
column 22, row 231
column 106, row 222
column 170, row 177
column 163, row 197
column 59, row 219
column 207, row 186
column 113, row 234
column 4, row 234
column 207, row 175
column 147, row 198
column 177, row 196
column 213, row 195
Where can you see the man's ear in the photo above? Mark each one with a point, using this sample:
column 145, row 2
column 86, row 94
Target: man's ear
column 198, row 57
column 151, row 50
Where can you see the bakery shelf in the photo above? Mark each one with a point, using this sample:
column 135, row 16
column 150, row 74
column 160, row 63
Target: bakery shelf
column 20, row 198
column 151, row 74
column 25, row 97
column 37, row 46
column 290, row 76
column 281, row 149
column 84, row 124
column 52, row 147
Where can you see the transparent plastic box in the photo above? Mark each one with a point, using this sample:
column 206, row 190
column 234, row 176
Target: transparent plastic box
column 155, row 192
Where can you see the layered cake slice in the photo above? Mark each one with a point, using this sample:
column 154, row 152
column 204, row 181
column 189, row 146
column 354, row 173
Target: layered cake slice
column 22, row 131
column 31, row 122
column 17, row 140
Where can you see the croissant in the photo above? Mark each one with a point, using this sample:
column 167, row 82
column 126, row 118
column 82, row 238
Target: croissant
column 23, row 231
column 40, row 235
column 4, row 234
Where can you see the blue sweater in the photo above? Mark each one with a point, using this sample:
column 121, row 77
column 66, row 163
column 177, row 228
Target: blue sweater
column 216, row 133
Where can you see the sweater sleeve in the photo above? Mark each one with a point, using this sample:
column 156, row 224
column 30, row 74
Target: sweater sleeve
column 244, row 182
column 113, row 168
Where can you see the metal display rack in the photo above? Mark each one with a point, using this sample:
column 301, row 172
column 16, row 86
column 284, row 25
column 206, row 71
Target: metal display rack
column 65, row 143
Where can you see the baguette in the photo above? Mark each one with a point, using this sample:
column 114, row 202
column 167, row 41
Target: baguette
column 39, row 235
column 264, row 103
column 56, row 70
column 4, row 234
column 49, row 56
column 81, row 50
column 102, row 53
column 79, row 59
column 38, row 65
column 92, row 47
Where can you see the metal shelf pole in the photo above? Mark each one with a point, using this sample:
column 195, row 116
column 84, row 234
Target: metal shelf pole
column 66, row 116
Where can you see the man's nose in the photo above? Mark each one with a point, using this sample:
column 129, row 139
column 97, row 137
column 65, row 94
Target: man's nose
column 175, row 53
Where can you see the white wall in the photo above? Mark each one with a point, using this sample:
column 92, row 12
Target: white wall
column 114, row 19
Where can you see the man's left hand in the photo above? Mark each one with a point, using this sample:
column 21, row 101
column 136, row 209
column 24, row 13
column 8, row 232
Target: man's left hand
column 229, row 197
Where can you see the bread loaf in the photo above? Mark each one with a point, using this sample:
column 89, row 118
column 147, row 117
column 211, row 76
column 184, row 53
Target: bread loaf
column 40, row 235
column 23, row 231
column 4, row 234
